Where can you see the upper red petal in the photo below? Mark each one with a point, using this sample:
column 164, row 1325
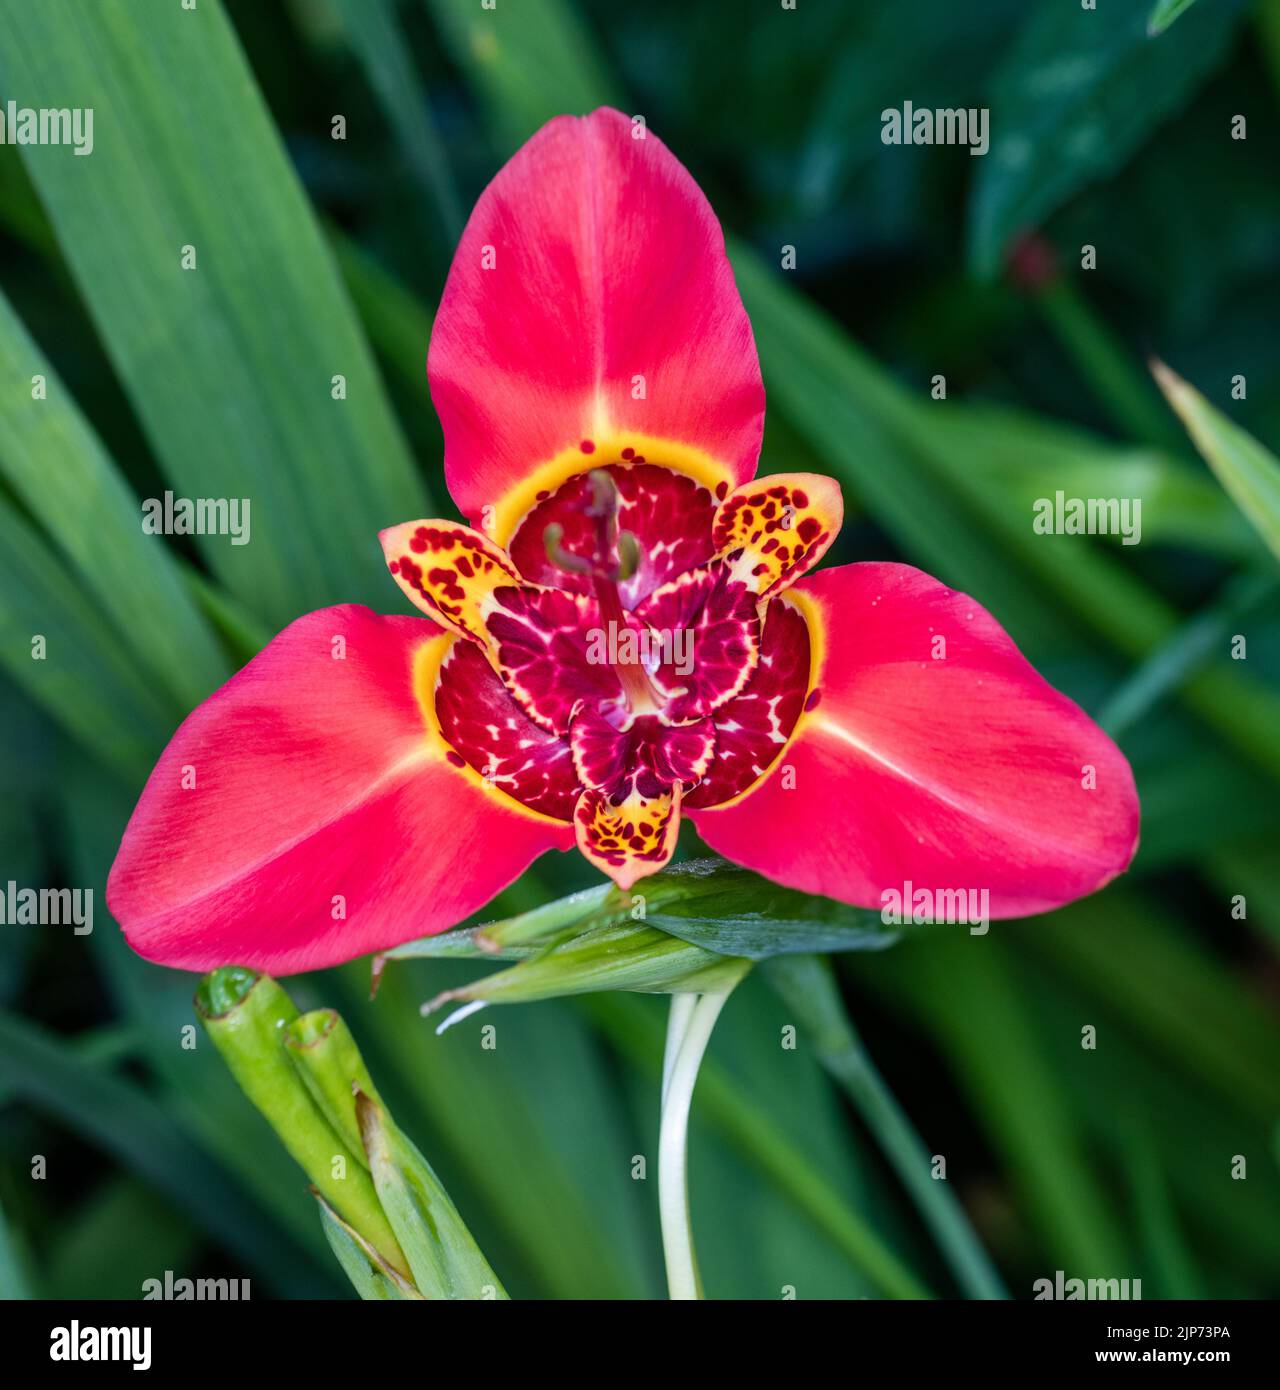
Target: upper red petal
column 590, row 293
column 302, row 816
column 948, row 764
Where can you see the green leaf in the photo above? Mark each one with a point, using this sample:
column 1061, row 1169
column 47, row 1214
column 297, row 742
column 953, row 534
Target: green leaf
column 373, row 30
column 1194, row 644
column 195, row 1087
column 1249, row 472
column 118, row 1117
column 616, row 955
column 1030, row 457
column 126, row 720
column 602, row 935
column 55, row 463
column 529, row 61
column 1079, row 91
column 989, row 1034
column 13, row 1274
column 720, row 907
column 1164, row 12
column 1158, row 976
column 228, row 365
column 808, row 987
column 99, row 1254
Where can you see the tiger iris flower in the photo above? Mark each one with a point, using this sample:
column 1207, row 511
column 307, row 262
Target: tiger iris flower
column 626, row 635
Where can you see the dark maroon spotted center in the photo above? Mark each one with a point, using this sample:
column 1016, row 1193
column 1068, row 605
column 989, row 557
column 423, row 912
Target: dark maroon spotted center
column 631, row 660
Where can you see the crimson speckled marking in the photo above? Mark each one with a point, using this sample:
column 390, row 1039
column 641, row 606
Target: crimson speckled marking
column 566, row 723
column 492, row 734
column 648, row 754
column 669, row 514
column 540, row 637
column 721, row 616
column 752, row 729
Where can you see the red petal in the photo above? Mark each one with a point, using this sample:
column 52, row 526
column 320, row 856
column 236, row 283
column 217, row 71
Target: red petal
column 322, row 817
column 948, row 767
column 591, row 260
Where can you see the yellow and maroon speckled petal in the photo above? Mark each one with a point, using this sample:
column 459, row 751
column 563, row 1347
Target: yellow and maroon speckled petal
column 448, row 571
column 631, row 838
column 774, row 529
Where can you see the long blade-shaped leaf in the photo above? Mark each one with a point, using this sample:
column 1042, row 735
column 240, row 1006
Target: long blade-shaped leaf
column 123, row 1120
column 229, row 363
column 1250, row 473
column 55, row 463
column 55, row 645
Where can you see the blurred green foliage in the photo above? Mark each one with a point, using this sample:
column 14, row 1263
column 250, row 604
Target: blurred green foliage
column 317, row 256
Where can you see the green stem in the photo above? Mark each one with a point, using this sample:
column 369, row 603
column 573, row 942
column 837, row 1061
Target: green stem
column 807, row 985
column 692, row 1019
column 1120, row 385
column 1195, row 643
column 754, row 1132
column 681, row 1008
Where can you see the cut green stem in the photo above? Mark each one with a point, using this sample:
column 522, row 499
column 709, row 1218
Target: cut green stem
column 691, row 1021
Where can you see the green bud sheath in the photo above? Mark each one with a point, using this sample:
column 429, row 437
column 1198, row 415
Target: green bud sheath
column 245, row 1014
column 325, row 1055
column 623, row 955
column 444, row 1257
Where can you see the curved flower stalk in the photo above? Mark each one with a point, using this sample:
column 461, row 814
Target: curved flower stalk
column 625, row 635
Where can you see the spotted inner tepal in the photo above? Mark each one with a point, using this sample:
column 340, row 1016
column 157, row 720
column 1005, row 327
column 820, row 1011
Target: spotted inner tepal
column 630, row 650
